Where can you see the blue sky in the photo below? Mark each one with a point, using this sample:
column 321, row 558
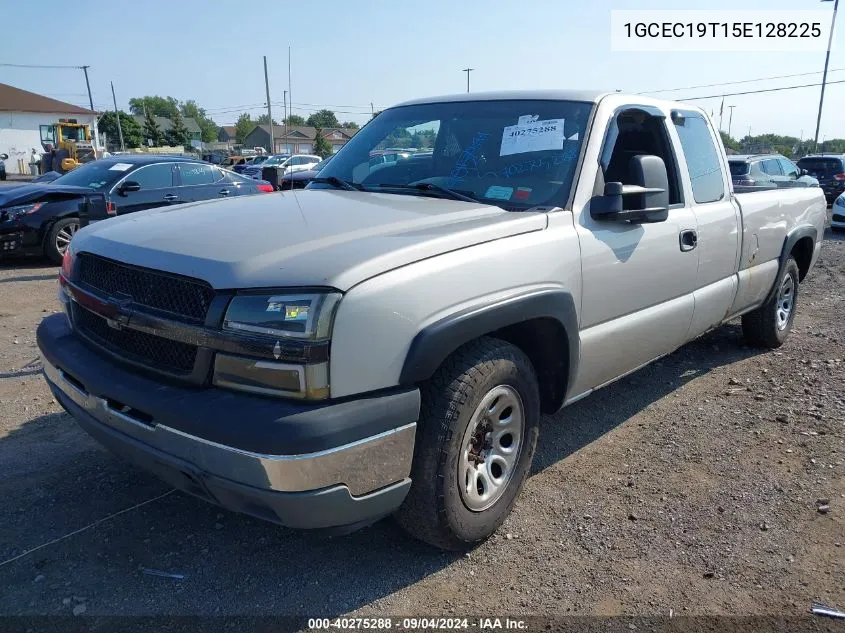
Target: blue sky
column 346, row 55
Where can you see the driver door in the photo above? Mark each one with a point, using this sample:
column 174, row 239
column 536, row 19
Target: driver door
column 637, row 279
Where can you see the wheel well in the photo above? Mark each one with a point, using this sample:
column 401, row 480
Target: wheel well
column 803, row 254
column 545, row 343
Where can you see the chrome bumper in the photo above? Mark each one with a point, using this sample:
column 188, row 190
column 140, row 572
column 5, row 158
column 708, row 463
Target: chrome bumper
column 363, row 466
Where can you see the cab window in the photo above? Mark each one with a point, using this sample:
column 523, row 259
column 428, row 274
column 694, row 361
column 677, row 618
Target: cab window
column 703, row 161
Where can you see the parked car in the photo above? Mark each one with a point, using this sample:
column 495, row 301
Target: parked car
column 275, row 160
column 3, row 166
column 50, row 176
column 386, row 340
column 767, row 171
column 233, row 161
column 249, row 162
column 829, row 169
column 299, row 179
column 837, row 220
column 300, row 162
column 42, row 218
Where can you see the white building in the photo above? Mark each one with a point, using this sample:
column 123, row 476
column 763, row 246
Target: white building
column 22, row 114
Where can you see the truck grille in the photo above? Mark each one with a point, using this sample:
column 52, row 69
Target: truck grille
column 139, row 347
column 186, row 299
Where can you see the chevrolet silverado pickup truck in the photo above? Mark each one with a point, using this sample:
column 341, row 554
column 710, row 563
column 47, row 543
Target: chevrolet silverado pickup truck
column 385, row 341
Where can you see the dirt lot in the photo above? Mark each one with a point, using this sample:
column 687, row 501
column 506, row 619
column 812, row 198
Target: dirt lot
column 692, row 485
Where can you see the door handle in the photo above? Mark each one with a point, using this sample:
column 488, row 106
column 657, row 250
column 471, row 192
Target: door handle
column 170, row 197
column 224, row 192
column 688, row 240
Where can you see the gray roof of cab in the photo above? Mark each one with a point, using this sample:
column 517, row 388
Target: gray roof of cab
column 589, row 96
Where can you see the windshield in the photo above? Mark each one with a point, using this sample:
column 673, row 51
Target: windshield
column 738, row 167
column 515, row 153
column 276, row 160
column 96, row 175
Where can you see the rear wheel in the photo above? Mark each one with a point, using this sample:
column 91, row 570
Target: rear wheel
column 769, row 325
column 476, row 439
column 59, row 239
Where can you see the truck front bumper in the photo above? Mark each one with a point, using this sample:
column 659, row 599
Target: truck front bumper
column 305, row 466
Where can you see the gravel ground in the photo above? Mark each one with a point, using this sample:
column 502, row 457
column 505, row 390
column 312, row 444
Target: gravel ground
column 692, row 485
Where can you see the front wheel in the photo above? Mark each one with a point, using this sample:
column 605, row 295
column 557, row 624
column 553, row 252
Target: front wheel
column 769, row 325
column 476, row 438
column 59, row 237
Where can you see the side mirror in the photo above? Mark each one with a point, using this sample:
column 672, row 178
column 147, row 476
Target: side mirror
column 802, row 172
column 645, row 201
column 129, row 186
column 4, row 157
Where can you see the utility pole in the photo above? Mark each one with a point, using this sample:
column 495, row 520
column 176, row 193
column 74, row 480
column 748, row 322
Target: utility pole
column 824, row 76
column 372, row 110
column 469, row 70
column 286, row 120
column 117, row 115
column 91, row 103
column 269, row 109
column 730, row 119
column 290, row 92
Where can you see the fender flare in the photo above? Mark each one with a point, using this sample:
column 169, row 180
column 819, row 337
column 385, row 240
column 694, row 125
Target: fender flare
column 789, row 243
column 435, row 342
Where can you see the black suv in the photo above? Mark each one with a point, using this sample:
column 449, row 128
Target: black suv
column 829, row 169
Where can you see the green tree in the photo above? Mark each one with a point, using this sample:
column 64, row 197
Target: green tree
column 178, row 135
column 730, row 143
column 323, row 119
column 133, row 135
column 152, row 132
column 264, row 119
column 350, row 124
column 159, row 106
column 208, row 128
column 295, row 119
column 322, row 147
column 243, row 127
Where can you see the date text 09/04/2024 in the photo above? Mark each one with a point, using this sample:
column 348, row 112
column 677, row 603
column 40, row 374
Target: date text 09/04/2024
column 417, row 624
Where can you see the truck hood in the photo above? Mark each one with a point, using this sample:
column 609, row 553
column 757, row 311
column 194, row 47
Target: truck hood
column 299, row 238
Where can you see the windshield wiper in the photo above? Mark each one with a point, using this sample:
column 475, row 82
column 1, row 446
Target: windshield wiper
column 337, row 182
column 427, row 186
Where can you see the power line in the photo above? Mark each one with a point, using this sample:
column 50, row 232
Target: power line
column 742, row 81
column 39, row 66
column 752, row 92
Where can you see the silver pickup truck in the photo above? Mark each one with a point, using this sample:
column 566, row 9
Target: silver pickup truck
column 386, row 340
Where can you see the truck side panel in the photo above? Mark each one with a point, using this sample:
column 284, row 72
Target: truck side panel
column 768, row 217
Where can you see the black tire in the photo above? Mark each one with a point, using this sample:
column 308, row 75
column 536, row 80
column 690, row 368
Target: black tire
column 53, row 249
column 763, row 327
column 434, row 510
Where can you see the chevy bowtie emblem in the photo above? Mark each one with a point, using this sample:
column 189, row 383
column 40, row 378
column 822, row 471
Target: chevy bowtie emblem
column 119, row 317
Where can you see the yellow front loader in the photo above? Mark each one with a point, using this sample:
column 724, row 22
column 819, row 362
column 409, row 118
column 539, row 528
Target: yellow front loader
column 72, row 144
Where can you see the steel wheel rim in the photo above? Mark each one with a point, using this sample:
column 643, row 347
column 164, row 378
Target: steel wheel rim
column 65, row 235
column 785, row 302
column 490, row 448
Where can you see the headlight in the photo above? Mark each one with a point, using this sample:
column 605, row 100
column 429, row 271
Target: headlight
column 12, row 213
column 279, row 321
